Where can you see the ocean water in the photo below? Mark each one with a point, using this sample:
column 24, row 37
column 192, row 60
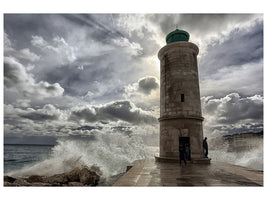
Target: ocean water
column 18, row 156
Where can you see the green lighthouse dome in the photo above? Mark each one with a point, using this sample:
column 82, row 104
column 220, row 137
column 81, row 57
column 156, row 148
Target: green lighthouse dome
column 177, row 36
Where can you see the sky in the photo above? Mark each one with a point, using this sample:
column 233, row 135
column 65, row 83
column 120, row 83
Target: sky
column 77, row 75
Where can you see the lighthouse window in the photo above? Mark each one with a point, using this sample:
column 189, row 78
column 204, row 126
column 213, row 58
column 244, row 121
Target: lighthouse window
column 182, row 97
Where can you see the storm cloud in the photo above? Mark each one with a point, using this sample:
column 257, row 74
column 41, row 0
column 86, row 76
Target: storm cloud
column 82, row 74
column 38, row 116
column 15, row 76
column 147, row 84
column 120, row 110
column 235, row 50
column 144, row 93
column 234, row 65
column 233, row 113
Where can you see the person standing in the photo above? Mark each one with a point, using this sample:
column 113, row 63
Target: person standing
column 205, row 147
column 182, row 154
column 187, row 151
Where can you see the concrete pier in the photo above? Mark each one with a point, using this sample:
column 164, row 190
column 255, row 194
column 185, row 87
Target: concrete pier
column 147, row 172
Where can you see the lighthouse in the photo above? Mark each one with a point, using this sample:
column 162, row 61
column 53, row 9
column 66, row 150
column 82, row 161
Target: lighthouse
column 180, row 106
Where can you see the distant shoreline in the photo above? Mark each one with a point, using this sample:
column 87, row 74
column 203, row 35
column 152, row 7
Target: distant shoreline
column 51, row 145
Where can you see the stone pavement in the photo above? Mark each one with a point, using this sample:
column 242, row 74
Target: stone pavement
column 147, row 172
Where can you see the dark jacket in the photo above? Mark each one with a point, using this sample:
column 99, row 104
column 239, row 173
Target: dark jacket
column 205, row 144
column 182, row 152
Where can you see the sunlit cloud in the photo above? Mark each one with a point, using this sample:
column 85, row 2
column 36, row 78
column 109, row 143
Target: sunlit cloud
column 84, row 74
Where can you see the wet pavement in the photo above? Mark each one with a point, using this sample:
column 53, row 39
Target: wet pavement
column 147, row 172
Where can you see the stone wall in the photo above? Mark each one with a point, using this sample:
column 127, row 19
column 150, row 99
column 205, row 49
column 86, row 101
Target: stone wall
column 172, row 129
column 180, row 106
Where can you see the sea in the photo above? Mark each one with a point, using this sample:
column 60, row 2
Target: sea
column 108, row 160
column 18, row 156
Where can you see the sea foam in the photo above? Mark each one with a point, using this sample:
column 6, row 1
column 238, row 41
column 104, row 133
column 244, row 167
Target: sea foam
column 108, row 154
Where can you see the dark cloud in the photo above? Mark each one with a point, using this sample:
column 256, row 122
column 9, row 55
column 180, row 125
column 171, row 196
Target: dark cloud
column 234, row 64
column 147, row 84
column 99, row 27
column 198, row 24
column 243, row 46
column 237, row 109
column 233, row 108
column 88, row 128
column 233, row 113
column 15, row 75
column 123, row 129
column 73, row 54
column 38, row 116
column 103, row 31
column 126, row 111
column 47, row 120
column 21, row 27
column 79, row 137
column 87, row 114
column 77, row 82
column 120, row 110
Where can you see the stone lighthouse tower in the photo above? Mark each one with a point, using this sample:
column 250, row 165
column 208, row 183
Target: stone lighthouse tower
column 180, row 106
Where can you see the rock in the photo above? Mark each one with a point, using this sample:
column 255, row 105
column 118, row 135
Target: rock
column 57, row 184
column 79, row 184
column 96, row 169
column 21, row 182
column 41, row 184
column 12, row 181
column 88, row 177
column 9, row 184
column 76, row 177
column 73, row 176
column 57, row 179
column 9, row 179
column 37, row 178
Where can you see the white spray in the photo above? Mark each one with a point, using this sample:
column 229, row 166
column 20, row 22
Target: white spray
column 111, row 153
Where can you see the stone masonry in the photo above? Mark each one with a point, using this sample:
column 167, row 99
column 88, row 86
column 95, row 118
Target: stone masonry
column 180, row 106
